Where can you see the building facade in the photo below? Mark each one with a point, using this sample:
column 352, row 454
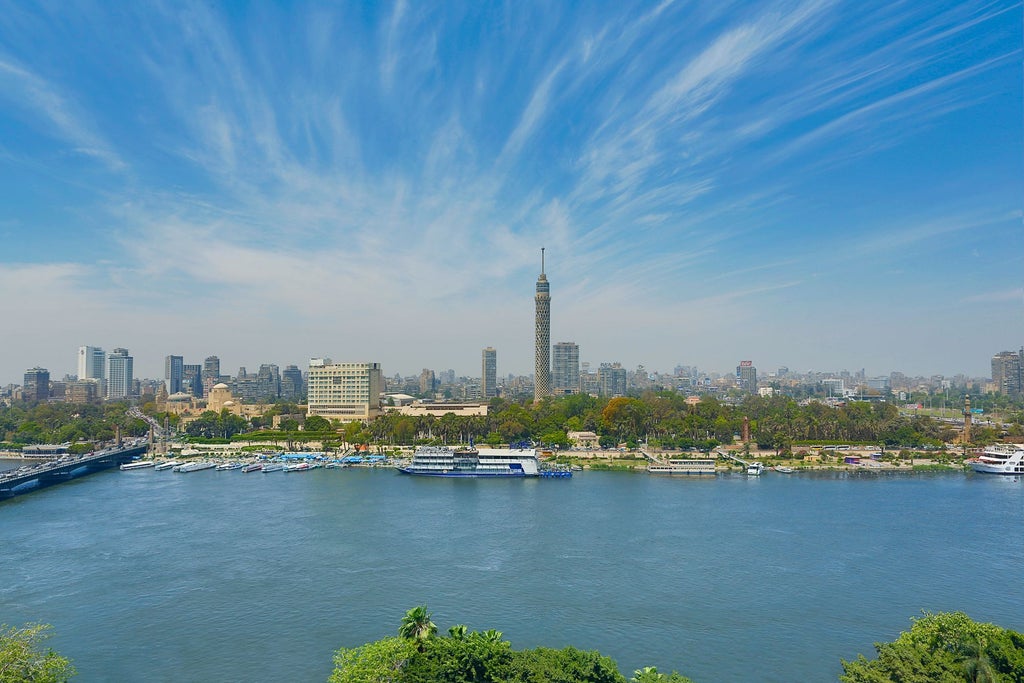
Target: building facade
column 489, row 373
column 174, row 372
column 542, row 336
column 611, row 379
column 344, row 391
column 211, row 373
column 36, row 386
column 292, row 385
column 746, row 376
column 565, row 368
column 1008, row 372
column 120, row 375
column 92, row 362
column 192, row 380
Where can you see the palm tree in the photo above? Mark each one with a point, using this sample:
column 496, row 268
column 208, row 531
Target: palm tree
column 458, row 632
column 416, row 625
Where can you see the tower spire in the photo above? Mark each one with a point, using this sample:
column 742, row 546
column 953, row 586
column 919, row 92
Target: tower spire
column 542, row 260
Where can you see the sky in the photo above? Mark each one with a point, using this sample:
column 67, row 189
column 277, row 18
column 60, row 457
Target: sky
column 817, row 184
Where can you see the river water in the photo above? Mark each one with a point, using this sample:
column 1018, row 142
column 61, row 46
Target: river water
column 224, row 576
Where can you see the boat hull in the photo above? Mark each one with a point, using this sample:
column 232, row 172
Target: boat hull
column 465, row 475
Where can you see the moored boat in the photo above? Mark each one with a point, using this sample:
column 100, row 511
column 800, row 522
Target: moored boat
column 1000, row 460
column 684, row 466
column 272, row 467
column 166, row 465
column 297, row 467
column 137, row 465
column 784, row 469
column 229, row 466
column 195, row 466
column 253, row 467
column 755, row 469
column 434, row 461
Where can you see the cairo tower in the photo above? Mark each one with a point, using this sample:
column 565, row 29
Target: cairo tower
column 542, row 350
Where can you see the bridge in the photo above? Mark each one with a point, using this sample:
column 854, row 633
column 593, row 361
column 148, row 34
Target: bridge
column 33, row 477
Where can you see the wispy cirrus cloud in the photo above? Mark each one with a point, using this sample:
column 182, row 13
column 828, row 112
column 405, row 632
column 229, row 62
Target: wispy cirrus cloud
column 23, row 89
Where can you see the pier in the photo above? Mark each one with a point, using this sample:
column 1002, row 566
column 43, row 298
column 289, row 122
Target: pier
column 40, row 475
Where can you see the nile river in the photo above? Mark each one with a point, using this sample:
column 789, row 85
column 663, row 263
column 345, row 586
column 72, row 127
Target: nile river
column 224, row 576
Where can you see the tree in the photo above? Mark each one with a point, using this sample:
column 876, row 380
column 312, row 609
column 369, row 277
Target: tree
column 381, row 661
column 650, row 674
column 416, row 625
column 318, row 423
column 22, row 659
column 943, row 647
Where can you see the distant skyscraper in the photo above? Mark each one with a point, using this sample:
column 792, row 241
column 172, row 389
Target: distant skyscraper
column 291, row 383
column 611, row 379
column 1008, row 372
column 542, row 343
column 489, row 374
column 746, row 376
column 192, row 380
column 428, row 383
column 91, row 363
column 565, row 368
column 120, row 374
column 37, row 385
column 174, row 372
column 211, row 373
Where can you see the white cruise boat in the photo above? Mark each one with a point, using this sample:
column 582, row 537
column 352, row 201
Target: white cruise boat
column 137, row 465
column 687, row 466
column 166, row 465
column 434, row 461
column 195, row 466
column 755, row 469
column 1000, row 460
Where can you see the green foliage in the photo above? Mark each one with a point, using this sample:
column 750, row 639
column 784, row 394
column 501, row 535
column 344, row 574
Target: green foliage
column 416, row 625
column 470, row 657
column 650, row 674
column 22, row 423
column 23, row 660
column 943, row 648
column 317, row 423
column 568, row 665
column 381, row 661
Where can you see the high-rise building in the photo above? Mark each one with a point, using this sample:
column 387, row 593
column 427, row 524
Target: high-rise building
column 565, row 368
column 174, row 372
column 344, row 391
column 120, row 375
column 37, row 385
column 192, row 380
column 91, row 363
column 211, row 373
column 542, row 341
column 427, row 383
column 292, row 386
column 746, row 376
column 1008, row 372
column 611, row 379
column 489, row 373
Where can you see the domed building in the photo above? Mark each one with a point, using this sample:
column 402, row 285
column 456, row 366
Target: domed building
column 220, row 396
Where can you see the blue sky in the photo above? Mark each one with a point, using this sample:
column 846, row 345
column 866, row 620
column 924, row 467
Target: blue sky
column 816, row 184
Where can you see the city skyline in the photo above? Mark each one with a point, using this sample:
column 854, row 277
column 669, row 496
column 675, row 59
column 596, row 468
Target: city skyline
column 808, row 184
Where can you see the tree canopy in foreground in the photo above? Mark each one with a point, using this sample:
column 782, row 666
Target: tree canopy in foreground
column 23, row 660
column 420, row 655
column 944, row 648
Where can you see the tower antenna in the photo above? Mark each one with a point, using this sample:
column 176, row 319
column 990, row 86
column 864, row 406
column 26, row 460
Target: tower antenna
column 542, row 260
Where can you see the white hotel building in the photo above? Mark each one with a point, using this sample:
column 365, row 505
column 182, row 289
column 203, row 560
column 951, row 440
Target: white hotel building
column 344, row 391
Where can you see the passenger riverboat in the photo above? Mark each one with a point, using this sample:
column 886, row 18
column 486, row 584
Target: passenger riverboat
column 1000, row 460
column 440, row 461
